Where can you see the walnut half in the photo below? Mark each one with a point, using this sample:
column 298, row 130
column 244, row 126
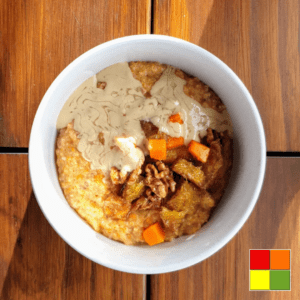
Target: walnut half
column 159, row 179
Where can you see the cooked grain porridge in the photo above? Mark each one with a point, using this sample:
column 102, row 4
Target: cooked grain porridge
column 144, row 152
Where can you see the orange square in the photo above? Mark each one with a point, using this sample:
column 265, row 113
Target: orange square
column 280, row 259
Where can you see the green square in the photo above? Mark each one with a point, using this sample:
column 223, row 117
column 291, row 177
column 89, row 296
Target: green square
column 280, row 280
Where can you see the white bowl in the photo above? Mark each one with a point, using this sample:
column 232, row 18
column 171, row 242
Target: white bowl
column 241, row 194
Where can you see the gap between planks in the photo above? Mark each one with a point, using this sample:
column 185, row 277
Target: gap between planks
column 148, row 287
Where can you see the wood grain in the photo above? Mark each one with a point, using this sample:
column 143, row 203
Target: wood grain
column 274, row 224
column 259, row 40
column 40, row 38
column 35, row 263
column 14, row 194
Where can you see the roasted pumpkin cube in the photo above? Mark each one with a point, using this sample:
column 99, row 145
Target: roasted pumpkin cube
column 158, row 149
column 187, row 170
column 174, row 142
column 135, row 190
column 176, row 118
column 199, row 151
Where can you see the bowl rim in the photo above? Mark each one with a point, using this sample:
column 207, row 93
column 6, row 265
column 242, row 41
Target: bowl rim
column 255, row 195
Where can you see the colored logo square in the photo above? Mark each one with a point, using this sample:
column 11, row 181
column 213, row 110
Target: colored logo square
column 259, row 280
column 280, row 259
column 259, row 259
column 280, row 280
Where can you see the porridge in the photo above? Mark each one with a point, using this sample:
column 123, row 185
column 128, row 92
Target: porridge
column 144, row 152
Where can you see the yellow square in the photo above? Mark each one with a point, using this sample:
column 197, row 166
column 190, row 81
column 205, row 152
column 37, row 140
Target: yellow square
column 259, row 280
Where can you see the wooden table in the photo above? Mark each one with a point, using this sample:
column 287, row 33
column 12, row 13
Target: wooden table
column 258, row 39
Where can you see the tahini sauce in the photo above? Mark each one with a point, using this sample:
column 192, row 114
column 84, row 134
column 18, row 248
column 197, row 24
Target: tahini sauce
column 117, row 111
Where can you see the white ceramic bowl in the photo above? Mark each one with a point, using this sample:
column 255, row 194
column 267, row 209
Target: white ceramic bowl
column 241, row 194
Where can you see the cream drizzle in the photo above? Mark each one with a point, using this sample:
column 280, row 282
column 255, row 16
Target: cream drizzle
column 117, row 111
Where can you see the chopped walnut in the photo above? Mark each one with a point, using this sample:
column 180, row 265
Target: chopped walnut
column 101, row 85
column 159, row 179
column 149, row 128
column 117, row 177
column 210, row 136
column 144, row 203
column 101, row 138
column 134, row 176
column 153, row 197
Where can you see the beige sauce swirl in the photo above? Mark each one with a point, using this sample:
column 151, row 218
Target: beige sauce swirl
column 116, row 112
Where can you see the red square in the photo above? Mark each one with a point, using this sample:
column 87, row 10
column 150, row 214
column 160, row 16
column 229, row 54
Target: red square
column 259, row 259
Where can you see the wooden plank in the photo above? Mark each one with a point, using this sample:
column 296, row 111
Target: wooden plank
column 35, row 263
column 40, row 38
column 14, row 194
column 274, row 224
column 259, row 40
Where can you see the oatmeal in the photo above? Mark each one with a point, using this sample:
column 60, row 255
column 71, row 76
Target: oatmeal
column 144, row 146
